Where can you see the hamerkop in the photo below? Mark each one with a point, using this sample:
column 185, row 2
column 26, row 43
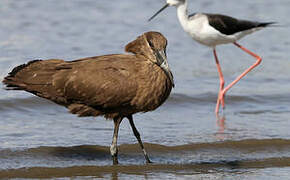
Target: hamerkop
column 114, row 86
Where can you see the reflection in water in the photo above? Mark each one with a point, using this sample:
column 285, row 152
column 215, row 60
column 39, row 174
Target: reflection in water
column 220, row 121
column 115, row 175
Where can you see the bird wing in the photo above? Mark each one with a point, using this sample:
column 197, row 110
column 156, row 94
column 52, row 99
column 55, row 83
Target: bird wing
column 229, row 25
column 103, row 82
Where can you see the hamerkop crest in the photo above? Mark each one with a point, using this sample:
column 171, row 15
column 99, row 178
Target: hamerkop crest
column 114, row 86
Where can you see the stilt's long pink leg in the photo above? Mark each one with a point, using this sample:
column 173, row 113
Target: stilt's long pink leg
column 220, row 100
column 259, row 59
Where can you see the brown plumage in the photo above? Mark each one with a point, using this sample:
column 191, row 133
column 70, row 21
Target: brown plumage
column 115, row 86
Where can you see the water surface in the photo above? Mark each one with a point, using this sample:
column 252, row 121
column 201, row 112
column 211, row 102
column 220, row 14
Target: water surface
column 185, row 140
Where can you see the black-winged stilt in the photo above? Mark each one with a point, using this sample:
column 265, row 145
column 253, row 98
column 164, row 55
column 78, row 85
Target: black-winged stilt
column 215, row 29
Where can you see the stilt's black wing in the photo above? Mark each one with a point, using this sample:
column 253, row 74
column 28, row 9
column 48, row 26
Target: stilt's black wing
column 229, row 25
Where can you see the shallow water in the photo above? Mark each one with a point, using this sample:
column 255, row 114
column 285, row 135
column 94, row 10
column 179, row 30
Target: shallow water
column 185, row 140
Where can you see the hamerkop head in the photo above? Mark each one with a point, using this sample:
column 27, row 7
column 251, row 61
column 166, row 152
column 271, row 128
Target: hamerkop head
column 114, row 86
column 152, row 45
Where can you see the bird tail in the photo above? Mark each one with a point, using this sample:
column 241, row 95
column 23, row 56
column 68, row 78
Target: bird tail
column 267, row 24
column 12, row 81
column 35, row 77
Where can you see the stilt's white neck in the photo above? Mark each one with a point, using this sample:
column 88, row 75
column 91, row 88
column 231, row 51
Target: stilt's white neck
column 182, row 14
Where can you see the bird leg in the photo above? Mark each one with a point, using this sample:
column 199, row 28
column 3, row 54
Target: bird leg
column 220, row 99
column 114, row 148
column 259, row 59
column 137, row 135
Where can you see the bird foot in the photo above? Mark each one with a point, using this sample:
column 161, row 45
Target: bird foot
column 220, row 101
column 115, row 160
column 221, row 98
column 149, row 162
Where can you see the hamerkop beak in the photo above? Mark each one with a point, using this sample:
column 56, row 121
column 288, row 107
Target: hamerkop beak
column 163, row 63
column 164, row 7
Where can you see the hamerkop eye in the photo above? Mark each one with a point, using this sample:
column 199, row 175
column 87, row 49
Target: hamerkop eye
column 114, row 86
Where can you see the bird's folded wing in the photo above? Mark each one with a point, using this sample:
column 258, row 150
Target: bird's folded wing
column 229, row 25
column 104, row 83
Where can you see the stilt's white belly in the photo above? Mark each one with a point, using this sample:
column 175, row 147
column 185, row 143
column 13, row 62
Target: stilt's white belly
column 211, row 39
column 200, row 30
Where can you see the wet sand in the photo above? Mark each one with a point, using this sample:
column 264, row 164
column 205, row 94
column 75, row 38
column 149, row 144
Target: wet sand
column 143, row 170
column 56, row 159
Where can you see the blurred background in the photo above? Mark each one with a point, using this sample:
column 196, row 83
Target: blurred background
column 254, row 127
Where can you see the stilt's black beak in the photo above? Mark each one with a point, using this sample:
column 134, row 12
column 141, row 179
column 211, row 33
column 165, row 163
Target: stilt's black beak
column 164, row 7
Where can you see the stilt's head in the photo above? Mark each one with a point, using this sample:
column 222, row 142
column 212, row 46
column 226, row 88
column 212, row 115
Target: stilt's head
column 175, row 2
column 152, row 45
column 168, row 3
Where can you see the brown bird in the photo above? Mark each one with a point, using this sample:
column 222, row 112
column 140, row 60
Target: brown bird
column 114, row 86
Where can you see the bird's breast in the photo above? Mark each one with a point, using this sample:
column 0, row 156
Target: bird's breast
column 153, row 88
